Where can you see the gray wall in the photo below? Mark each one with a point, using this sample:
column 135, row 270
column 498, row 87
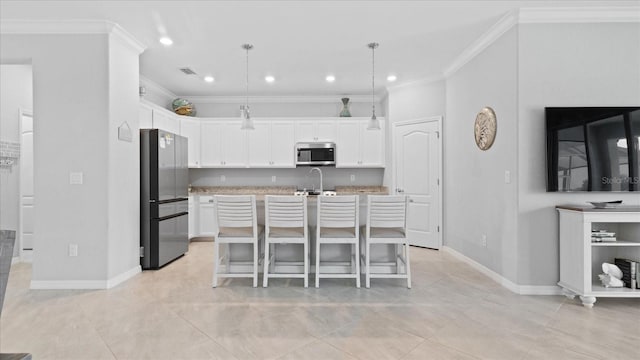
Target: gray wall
column 477, row 199
column 15, row 93
column 74, row 80
column 564, row 65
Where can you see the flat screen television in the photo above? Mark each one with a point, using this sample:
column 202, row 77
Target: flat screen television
column 593, row 148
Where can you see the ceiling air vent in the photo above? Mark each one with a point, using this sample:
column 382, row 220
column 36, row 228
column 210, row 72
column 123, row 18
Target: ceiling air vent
column 188, row 71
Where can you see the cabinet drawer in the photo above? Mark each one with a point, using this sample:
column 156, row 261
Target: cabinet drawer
column 206, row 199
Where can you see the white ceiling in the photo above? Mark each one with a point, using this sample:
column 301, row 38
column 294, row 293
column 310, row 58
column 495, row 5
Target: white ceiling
column 298, row 42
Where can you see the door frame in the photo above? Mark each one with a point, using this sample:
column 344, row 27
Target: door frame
column 396, row 125
column 22, row 256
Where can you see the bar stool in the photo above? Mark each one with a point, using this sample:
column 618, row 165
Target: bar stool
column 386, row 224
column 338, row 224
column 237, row 224
column 285, row 223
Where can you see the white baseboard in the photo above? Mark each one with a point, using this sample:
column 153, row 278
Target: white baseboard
column 518, row 289
column 119, row 279
column 84, row 284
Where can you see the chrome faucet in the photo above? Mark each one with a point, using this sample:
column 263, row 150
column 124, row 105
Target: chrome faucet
column 319, row 172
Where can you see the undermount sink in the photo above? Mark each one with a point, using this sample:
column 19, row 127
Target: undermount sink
column 313, row 193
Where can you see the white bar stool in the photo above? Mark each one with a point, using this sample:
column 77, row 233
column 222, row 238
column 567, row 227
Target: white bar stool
column 338, row 224
column 237, row 224
column 285, row 223
column 386, row 224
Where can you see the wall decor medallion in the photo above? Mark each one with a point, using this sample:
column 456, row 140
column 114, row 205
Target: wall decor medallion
column 485, row 128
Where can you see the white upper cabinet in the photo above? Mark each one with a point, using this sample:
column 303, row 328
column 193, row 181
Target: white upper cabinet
column 223, row 144
column 315, row 130
column 165, row 120
column 271, row 144
column 155, row 117
column 190, row 128
column 358, row 147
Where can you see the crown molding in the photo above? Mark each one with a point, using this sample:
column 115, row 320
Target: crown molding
column 596, row 14
column 125, row 37
column 153, row 86
column 489, row 37
column 566, row 15
column 317, row 99
column 69, row 27
column 419, row 81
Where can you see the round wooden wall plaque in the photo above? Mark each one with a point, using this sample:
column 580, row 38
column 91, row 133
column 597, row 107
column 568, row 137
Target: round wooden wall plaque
column 485, row 128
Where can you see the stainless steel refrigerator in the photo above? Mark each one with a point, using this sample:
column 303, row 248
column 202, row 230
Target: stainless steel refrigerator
column 164, row 181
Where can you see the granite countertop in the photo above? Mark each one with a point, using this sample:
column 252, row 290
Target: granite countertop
column 260, row 191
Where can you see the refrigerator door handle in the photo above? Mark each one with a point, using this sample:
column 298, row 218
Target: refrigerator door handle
column 172, row 216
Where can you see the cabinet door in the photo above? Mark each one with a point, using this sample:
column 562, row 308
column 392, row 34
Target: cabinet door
column 371, row 146
column 325, row 130
column 348, row 144
column 146, row 117
column 305, row 131
column 282, row 144
column 210, row 144
column 234, row 145
column 207, row 220
column 260, row 144
column 160, row 120
column 193, row 219
column 190, row 129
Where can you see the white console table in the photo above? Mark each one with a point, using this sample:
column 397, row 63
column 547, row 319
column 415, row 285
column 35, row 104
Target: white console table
column 581, row 259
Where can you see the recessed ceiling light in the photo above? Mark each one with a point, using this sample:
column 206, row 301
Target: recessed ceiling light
column 166, row 41
column 392, row 78
column 269, row 79
column 209, row 79
column 330, row 78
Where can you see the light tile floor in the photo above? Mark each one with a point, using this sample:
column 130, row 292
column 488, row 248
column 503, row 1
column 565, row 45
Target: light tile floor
column 452, row 312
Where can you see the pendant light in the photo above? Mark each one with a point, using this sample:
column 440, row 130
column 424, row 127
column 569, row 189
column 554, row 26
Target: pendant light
column 247, row 123
column 374, row 123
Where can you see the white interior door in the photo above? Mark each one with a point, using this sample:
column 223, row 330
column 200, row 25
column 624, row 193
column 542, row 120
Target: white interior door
column 417, row 158
column 27, row 198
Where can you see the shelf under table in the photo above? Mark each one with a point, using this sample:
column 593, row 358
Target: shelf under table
column 615, row 243
column 601, row 291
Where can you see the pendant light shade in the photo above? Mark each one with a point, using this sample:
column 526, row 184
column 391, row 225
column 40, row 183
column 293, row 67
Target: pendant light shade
column 374, row 123
column 247, row 123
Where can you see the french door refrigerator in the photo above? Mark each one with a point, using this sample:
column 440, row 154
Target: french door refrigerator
column 164, row 181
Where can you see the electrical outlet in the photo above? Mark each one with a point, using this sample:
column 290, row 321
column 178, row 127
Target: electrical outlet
column 273, row 178
column 484, row 240
column 223, row 178
column 353, row 178
column 75, row 178
column 73, row 249
column 507, row 177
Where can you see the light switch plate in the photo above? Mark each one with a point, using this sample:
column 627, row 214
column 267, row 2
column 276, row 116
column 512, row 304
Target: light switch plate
column 75, row 178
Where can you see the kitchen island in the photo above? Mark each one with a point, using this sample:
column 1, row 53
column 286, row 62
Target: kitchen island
column 203, row 212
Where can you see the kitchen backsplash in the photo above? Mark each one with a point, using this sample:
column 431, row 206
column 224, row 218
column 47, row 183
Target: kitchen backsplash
column 298, row 177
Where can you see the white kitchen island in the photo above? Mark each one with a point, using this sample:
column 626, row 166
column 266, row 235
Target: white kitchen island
column 337, row 254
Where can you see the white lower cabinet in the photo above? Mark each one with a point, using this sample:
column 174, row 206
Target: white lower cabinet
column 206, row 216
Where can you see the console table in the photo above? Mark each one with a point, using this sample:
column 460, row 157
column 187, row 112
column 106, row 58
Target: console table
column 581, row 259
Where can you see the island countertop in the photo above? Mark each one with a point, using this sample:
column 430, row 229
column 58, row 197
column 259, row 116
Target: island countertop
column 260, row 191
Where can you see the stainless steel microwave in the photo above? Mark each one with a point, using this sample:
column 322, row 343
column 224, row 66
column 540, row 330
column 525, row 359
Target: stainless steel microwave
column 315, row 153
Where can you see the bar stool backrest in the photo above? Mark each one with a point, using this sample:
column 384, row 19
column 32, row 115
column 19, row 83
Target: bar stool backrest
column 387, row 211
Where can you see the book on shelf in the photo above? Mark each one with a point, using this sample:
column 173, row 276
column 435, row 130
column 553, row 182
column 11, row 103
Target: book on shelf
column 604, row 239
column 630, row 272
column 602, row 233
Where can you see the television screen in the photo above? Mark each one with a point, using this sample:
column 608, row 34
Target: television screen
column 593, row 148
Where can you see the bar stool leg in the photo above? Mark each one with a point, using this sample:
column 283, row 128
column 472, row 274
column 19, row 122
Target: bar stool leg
column 265, row 274
column 408, row 265
column 305, row 250
column 216, row 259
column 255, row 263
column 317, row 263
column 357, row 257
column 367, row 259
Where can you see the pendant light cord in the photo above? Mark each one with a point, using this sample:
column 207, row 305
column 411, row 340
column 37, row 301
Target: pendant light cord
column 373, row 47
